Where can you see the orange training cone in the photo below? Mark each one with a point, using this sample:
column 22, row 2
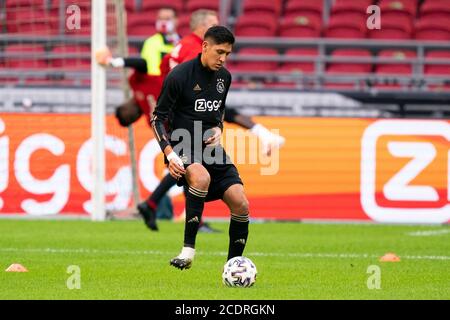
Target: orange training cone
column 16, row 267
column 390, row 257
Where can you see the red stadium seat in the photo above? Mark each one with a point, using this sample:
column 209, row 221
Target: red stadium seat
column 29, row 22
column 154, row 5
column 432, row 29
column 350, row 67
column 303, row 8
column 253, row 26
column 184, row 25
column 437, row 69
column 300, row 27
column 193, row 5
column 393, row 27
column 349, row 26
column 299, row 66
column 436, row 9
column 398, row 55
column 262, row 7
column 141, row 24
column 398, row 8
column 133, row 51
column 351, row 6
column 130, row 5
column 255, row 65
column 71, row 57
column 84, row 5
column 10, row 4
column 27, row 56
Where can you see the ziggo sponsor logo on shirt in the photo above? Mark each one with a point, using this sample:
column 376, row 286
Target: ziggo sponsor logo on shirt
column 202, row 105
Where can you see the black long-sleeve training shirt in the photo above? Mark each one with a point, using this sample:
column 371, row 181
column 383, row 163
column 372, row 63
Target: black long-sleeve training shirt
column 191, row 92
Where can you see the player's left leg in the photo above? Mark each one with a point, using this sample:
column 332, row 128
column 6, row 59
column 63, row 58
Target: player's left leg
column 238, row 204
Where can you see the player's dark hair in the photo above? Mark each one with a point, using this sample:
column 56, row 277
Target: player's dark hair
column 220, row 34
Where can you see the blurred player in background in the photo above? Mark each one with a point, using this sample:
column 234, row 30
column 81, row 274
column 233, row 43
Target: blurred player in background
column 146, row 81
column 204, row 178
column 188, row 48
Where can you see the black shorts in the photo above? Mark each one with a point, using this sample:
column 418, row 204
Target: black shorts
column 222, row 176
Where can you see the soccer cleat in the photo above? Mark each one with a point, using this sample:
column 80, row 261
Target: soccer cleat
column 180, row 263
column 149, row 215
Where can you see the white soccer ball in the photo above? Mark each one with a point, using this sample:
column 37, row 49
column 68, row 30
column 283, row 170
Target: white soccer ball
column 239, row 272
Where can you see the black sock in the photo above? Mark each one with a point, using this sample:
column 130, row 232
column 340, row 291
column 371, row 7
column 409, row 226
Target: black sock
column 238, row 235
column 195, row 202
column 166, row 183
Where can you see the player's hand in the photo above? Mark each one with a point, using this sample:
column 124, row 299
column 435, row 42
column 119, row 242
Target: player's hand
column 103, row 56
column 274, row 142
column 176, row 166
column 214, row 139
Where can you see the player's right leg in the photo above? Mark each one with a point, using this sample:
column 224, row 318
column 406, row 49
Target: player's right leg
column 147, row 209
column 198, row 179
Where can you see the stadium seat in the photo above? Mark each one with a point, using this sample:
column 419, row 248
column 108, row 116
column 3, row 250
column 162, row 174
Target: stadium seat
column 141, row 24
column 84, row 5
column 152, row 7
column 262, row 7
column 393, row 68
column 432, row 29
column 193, row 5
column 253, row 26
column 71, row 57
column 130, row 5
column 351, row 6
column 437, row 69
column 347, row 25
column 184, row 25
column 393, row 27
column 436, row 9
column 300, row 27
column 27, row 56
column 255, row 65
column 10, row 4
column 407, row 8
column 29, row 22
column 133, row 51
column 299, row 66
column 305, row 8
column 350, row 67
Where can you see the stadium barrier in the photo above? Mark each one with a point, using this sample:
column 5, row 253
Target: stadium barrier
column 329, row 169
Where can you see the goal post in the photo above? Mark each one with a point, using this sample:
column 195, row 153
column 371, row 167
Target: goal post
column 98, row 110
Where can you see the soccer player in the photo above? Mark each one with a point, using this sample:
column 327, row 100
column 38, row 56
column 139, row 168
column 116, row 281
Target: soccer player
column 188, row 48
column 203, row 168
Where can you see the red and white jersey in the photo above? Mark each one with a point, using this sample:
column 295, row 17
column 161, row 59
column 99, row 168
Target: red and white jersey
column 187, row 49
column 146, row 89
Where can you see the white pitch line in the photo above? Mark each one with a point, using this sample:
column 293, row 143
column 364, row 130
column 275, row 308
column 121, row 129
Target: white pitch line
column 428, row 233
column 217, row 253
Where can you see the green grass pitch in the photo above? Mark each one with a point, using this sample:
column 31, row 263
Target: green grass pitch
column 124, row 260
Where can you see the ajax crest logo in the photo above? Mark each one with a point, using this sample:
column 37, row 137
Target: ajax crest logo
column 220, row 85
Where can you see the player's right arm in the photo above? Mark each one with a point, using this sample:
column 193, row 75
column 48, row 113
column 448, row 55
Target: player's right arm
column 105, row 58
column 171, row 90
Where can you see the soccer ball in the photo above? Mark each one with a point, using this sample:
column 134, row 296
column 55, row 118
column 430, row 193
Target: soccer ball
column 239, row 272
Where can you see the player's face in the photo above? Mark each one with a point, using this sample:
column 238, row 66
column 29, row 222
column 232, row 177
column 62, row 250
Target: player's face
column 166, row 21
column 215, row 55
